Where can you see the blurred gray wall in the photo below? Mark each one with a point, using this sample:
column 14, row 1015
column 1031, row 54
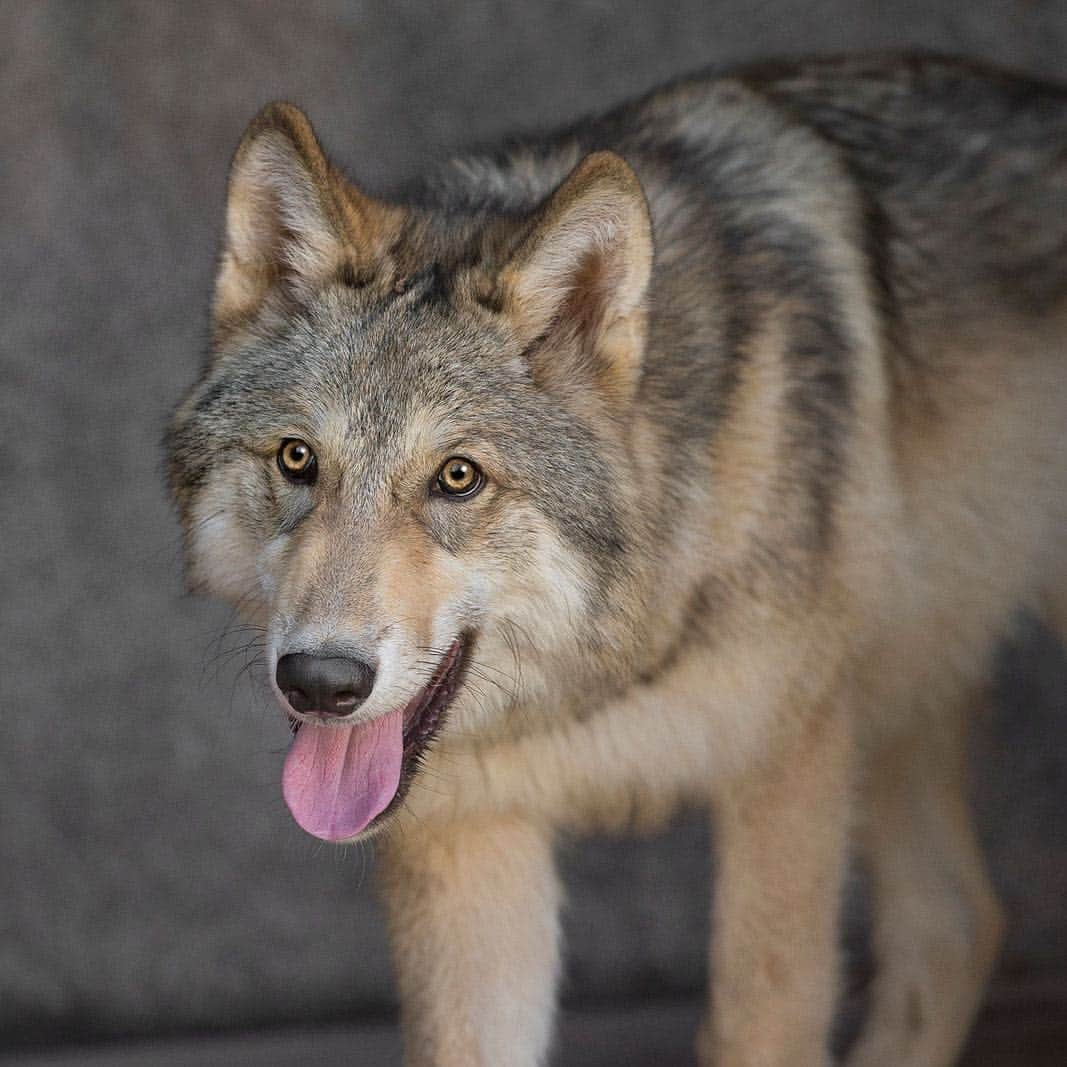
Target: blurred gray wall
column 150, row 877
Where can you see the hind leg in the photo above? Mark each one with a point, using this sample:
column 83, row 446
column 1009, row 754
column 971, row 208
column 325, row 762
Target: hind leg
column 937, row 922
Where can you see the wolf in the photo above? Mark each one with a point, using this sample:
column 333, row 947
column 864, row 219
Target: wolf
column 700, row 453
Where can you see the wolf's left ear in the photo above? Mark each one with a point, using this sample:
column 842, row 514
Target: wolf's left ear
column 290, row 219
column 582, row 273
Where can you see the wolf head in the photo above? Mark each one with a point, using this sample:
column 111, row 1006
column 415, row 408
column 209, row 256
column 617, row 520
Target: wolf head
column 408, row 455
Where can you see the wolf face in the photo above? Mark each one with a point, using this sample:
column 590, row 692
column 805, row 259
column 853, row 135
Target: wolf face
column 403, row 458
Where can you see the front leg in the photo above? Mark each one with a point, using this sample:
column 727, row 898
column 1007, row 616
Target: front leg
column 474, row 921
column 781, row 840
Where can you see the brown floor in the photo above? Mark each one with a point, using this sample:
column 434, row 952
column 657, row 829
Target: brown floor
column 1020, row 1030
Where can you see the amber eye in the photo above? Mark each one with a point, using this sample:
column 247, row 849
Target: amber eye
column 459, row 477
column 296, row 460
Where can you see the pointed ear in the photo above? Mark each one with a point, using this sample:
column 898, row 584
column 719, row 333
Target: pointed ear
column 289, row 216
column 582, row 273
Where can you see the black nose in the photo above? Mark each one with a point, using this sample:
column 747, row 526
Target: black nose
column 330, row 685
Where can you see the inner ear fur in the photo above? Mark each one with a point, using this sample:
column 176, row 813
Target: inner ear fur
column 579, row 279
column 292, row 221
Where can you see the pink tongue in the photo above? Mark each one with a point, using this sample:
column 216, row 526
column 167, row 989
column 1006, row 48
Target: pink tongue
column 337, row 778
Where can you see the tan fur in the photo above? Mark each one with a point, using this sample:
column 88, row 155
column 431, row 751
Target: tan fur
column 924, row 614
column 938, row 925
column 782, row 838
column 808, row 696
column 490, row 885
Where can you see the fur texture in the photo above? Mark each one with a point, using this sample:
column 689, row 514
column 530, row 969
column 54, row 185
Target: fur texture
column 766, row 376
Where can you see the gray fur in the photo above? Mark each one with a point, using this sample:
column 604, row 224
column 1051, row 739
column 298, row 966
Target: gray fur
column 770, row 460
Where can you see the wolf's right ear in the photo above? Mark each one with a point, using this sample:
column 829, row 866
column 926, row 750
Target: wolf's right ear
column 582, row 273
column 291, row 220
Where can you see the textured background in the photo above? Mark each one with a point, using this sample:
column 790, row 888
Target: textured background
column 150, row 878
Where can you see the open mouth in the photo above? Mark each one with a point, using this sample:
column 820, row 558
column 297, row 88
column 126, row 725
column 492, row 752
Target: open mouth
column 423, row 715
column 338, row 779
